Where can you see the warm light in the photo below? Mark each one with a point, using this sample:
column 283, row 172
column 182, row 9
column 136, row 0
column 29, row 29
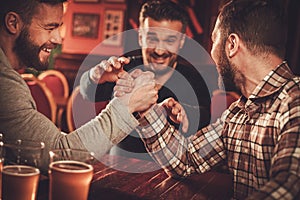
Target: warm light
column 63, row 27
column 65, row 5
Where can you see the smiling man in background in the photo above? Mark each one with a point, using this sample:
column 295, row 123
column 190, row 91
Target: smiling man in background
column 161, row 37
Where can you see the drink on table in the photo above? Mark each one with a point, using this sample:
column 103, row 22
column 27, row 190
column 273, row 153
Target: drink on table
column 70, row 174
column 19, row 182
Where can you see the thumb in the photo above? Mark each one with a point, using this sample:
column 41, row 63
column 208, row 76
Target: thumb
column 185, row 124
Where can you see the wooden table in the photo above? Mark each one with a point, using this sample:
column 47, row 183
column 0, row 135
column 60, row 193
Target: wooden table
column 122, row 178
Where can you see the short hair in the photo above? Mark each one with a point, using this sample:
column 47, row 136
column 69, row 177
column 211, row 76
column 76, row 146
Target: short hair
column 164, row 10
column 260, row 23
column 26, row 9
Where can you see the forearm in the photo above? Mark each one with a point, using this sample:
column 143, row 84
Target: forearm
column 111, row 126
column 95, row 92
column 177, row 154
column 98, row 135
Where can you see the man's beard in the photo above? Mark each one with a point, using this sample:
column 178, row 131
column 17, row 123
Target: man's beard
column 227, row 74
column 28, row 52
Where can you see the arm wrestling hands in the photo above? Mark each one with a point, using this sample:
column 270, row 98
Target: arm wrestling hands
column 127, row 83
column 137, row 97
column 136, row 89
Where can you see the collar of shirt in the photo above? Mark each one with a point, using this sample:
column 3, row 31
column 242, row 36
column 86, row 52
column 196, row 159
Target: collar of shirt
column 268, row 86
column 272, row 82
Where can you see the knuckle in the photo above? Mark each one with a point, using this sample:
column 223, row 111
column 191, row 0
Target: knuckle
column 112, row 59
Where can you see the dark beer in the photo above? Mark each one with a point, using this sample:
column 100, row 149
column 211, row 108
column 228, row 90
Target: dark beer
column 69, row 180
column 19, row 182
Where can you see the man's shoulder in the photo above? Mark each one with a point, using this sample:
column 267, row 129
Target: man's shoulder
column 9, row 75
column 11, row 83
column 15, row 93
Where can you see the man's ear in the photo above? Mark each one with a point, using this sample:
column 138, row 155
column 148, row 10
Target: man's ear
column 232, row 44
column 13, row 22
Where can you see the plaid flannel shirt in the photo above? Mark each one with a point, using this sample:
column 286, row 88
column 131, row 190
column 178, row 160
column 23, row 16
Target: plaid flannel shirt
column 258, row 138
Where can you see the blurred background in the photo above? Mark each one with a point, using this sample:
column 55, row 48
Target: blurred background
column 90, row 22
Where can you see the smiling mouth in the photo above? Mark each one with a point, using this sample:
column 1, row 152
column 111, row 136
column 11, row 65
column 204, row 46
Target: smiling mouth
column 160, row 59
column 48, row 50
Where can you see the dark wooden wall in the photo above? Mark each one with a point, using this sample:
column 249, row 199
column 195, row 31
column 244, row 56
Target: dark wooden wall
column 293, row 43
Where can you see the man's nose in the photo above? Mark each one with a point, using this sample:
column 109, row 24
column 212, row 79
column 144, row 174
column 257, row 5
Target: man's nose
column 56, row 37
column 159, row 51
column 160, row 48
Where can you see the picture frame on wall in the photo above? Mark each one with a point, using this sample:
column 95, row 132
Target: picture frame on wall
column 88, row 24
column 113, row 25
column 86, row 1
column 85, row 25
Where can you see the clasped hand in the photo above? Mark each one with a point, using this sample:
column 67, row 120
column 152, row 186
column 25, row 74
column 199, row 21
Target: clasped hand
column 137, row 90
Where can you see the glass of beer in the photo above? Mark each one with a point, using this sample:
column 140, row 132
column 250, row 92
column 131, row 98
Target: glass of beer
column 70, row 174
column 20, row 173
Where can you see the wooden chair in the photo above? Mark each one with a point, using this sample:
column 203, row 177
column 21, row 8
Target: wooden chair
column 220, row 101
column 58, row 84
column 42, row 96
column 79, row 110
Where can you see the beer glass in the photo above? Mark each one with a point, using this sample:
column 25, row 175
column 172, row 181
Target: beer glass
column 20, row 174
column 70, row 174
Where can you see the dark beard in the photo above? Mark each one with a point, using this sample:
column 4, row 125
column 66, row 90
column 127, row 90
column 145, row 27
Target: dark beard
column 28, row 53
column 226, row 72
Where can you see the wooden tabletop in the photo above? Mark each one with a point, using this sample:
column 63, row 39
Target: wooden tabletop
column 117, row 177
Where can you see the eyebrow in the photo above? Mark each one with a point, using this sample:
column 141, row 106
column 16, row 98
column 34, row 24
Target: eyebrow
column 155, row 34
column 172, row 37
column 152, row 33
column 53, row 25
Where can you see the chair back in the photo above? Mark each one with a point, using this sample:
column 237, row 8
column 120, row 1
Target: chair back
column 56, row 82
column 80, row 110
column 42, row 96
column 220, row 101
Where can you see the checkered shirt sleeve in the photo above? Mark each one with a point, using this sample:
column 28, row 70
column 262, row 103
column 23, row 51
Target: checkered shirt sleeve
column 173, row 151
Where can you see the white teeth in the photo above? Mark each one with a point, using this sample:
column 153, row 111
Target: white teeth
column 47, row 50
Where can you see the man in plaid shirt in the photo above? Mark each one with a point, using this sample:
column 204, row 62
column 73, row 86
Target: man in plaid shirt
column 258, row 136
